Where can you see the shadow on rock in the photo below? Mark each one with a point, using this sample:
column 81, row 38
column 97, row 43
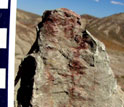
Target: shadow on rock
column 26, row 73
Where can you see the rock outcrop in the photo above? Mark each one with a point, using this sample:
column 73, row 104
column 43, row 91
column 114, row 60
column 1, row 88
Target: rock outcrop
column 66, row 67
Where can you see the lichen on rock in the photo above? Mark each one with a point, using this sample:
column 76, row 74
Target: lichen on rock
column 66, row 67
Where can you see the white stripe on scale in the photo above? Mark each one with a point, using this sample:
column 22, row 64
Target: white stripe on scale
column 3, row 4
column 3, row 38
column 2, row 78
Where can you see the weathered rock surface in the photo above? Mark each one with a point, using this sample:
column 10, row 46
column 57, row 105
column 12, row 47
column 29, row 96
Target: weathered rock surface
column 66, row 67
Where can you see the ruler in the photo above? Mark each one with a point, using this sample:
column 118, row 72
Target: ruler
column 7, row 37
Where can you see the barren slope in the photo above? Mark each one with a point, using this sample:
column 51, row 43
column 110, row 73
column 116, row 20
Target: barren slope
column 25, row 33
column 108, row 29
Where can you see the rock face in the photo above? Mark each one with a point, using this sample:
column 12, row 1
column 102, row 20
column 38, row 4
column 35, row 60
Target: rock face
column 66, row 67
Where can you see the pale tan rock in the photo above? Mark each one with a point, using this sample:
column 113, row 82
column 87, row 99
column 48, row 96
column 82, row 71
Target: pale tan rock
column 66, row 67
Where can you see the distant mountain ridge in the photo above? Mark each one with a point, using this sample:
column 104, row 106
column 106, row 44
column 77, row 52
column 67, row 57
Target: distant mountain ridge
column 109, row 30
column 27, row 18
column 89, row 18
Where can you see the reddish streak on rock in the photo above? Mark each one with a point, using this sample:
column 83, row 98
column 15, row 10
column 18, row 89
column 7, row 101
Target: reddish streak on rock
column 78, row 80
column 54, row 19
column 65, row 75
column 77, row 53
column 50, row 27
column 78, row 39
column 49, row 75
column 75, row 65
column 72, row 21
column 68, row 32
column 71, row 90
column 82, row 45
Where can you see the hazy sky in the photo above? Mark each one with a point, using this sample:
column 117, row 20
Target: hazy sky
column 98, row 8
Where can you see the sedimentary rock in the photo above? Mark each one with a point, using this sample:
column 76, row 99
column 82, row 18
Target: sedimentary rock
column 66, row 67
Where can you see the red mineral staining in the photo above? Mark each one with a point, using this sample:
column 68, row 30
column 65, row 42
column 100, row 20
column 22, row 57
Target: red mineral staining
column 65, row 75
column 75, row 65
column 78, row 38
column 71, row 90
column 50, row 76
column 76, row 53
column 82, row 45
column 50, row 27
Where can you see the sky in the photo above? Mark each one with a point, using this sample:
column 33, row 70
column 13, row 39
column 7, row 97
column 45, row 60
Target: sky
column 98, row 8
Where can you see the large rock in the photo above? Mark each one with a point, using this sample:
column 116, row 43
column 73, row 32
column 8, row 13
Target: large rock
column 66, row 67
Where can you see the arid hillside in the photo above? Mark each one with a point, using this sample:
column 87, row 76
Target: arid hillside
column 25, row 33
column 109, row 30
